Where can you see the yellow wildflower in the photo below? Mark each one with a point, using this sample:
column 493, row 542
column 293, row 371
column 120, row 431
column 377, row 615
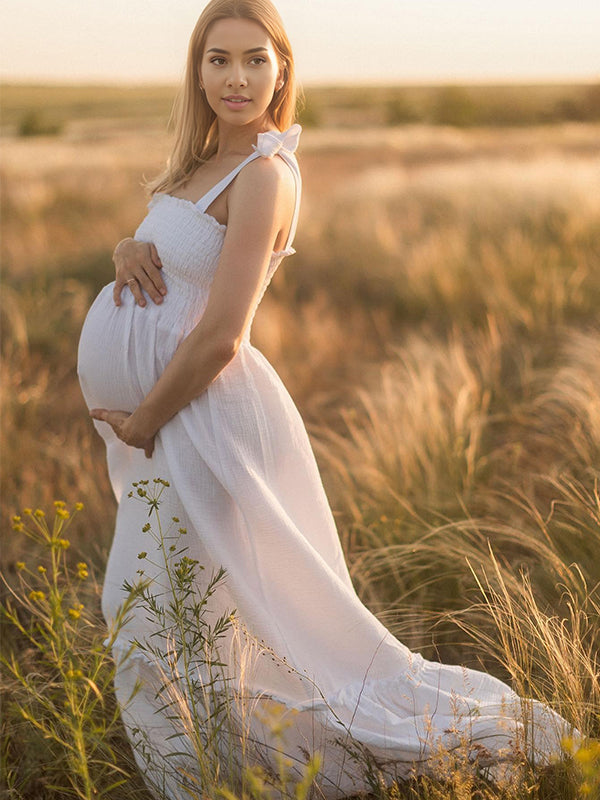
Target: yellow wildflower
column 37, row 596
column 20, row 565
column 27, row 511
column 63, row 543
column 74, row 673
column 42, row 570
column 78, row 506
column 587, row 755
column 59, row 504
column 82, row 569
column 75, row 612
column 18, row 526
column 38, row 513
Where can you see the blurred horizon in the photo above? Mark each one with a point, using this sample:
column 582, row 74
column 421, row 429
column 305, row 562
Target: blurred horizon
column 124, row 83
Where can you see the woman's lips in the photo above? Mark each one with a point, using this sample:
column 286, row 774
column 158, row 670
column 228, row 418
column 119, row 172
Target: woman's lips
column 235, row 104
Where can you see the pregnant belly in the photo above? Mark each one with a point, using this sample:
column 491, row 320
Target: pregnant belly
column 123, row 351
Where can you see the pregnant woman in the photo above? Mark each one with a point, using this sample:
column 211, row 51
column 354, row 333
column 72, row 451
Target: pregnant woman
column 178, row 391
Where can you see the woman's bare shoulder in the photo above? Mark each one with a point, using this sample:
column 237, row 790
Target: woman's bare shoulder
column 264, row 189
column 265, row 175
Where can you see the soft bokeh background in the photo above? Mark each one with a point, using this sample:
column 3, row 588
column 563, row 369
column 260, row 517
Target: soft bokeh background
column 438, row 326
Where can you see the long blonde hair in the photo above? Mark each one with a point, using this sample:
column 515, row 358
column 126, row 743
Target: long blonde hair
column 195, row 123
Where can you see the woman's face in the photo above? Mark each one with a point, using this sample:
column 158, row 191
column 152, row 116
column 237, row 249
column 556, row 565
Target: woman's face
column 239, row 70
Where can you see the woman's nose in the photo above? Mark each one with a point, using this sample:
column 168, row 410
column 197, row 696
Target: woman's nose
column 236, row 77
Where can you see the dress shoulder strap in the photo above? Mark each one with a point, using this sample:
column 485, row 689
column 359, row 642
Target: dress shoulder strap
column 270, row 143
column 216, row 190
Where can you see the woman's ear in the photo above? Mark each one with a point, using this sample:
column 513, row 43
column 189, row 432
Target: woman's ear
column 280, row 78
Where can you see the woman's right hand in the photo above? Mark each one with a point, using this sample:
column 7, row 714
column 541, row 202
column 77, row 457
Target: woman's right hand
column 137, row 266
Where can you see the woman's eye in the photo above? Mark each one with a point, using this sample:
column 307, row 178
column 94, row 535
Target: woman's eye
column 220, row 60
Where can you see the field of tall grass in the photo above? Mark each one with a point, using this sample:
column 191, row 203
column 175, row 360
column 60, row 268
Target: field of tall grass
column 438, row 329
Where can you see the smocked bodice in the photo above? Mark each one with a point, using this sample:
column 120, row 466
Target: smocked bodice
column 189, row 240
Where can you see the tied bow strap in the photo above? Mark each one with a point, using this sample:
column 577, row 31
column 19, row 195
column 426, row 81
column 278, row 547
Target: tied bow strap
column 271, row 142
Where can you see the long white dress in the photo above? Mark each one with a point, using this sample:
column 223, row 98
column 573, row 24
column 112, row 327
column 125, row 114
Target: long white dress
column 245, row 484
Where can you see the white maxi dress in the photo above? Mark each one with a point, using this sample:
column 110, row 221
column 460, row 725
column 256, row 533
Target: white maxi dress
column 245, row 484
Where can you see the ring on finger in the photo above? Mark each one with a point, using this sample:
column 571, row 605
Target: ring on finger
column 131, row 280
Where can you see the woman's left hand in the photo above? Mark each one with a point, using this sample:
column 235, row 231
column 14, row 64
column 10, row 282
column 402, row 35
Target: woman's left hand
column 124, row 425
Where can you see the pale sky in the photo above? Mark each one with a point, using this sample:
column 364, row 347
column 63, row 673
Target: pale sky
column 335, row 41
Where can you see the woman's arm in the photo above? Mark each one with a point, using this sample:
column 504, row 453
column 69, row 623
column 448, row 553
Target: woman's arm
column 138, row 266
column 260, row 204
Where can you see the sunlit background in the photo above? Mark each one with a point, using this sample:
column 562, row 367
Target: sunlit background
column 335, row 41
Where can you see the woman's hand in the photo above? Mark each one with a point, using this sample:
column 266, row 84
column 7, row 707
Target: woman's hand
column 126, row 428
column 137, row 266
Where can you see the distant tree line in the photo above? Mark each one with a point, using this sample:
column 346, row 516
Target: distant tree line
column 459, row 106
